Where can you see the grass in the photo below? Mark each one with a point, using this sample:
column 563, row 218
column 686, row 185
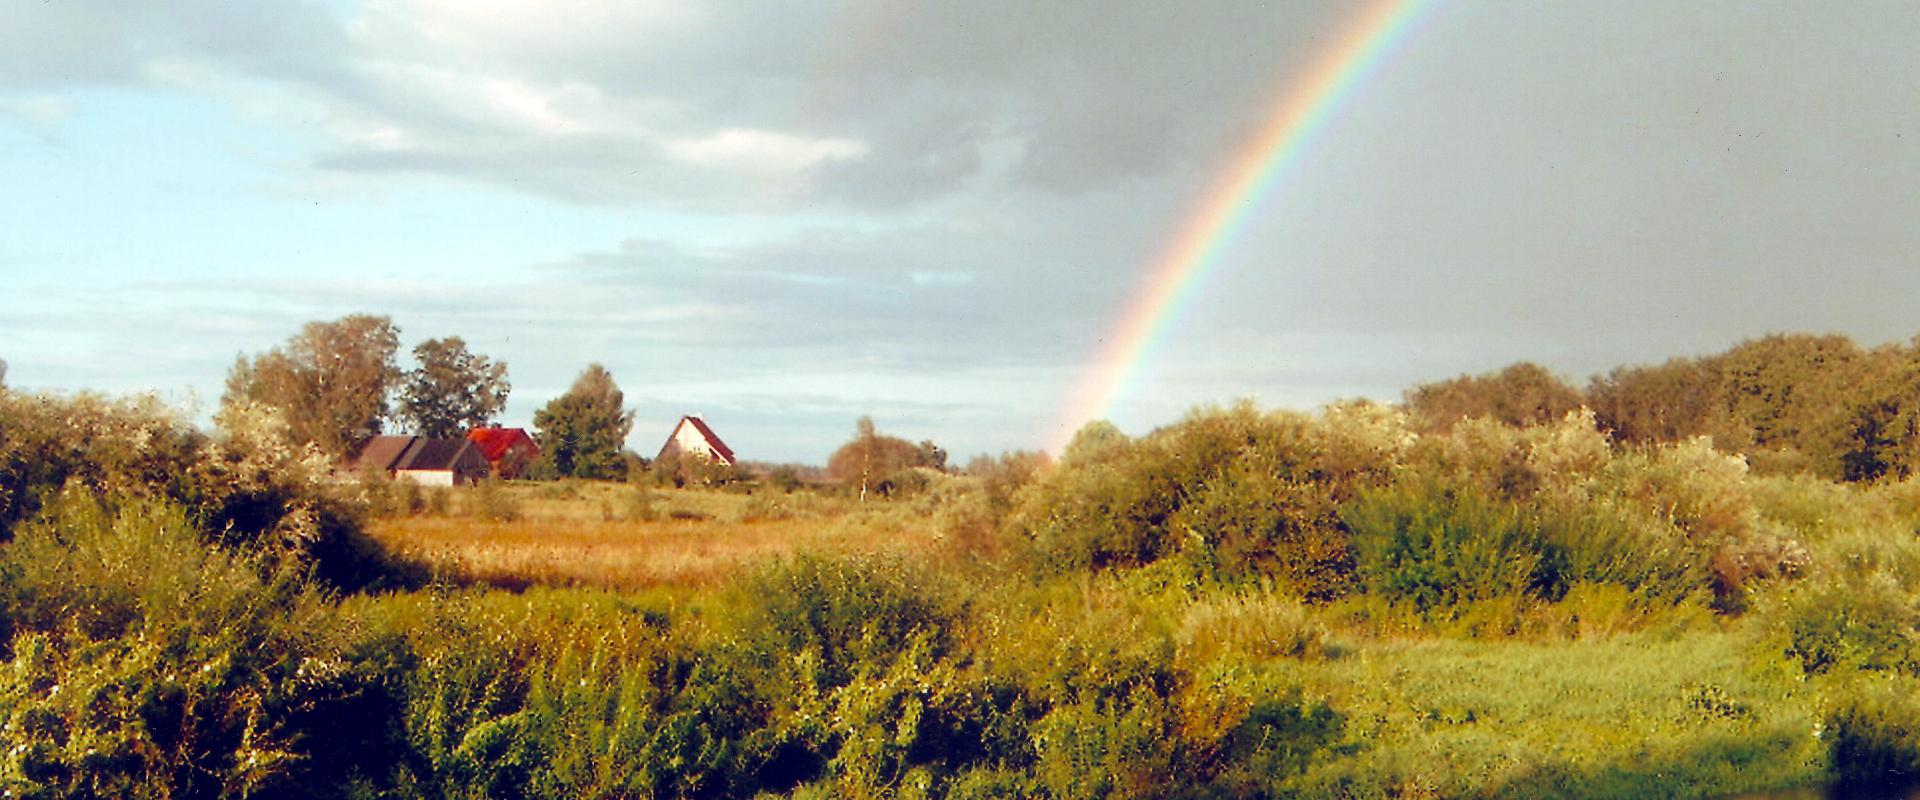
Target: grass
column 1628, row 716
column 622, row 537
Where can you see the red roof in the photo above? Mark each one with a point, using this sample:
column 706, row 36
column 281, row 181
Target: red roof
column 713, row 439
column 718, row 447
column 495, row 442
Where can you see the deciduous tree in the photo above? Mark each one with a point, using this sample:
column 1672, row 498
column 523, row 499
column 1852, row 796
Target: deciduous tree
column 874, row 457
column 582, row 433
column 1522, row 394
column 452, row 390
column 330, row 381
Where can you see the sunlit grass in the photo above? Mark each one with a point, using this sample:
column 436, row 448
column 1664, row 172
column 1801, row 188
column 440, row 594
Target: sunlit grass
column 623, row 537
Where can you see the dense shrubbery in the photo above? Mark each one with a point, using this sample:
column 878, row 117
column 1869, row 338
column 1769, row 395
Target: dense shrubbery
column 1354, row 500
column 1172, row 615
column 246, row 486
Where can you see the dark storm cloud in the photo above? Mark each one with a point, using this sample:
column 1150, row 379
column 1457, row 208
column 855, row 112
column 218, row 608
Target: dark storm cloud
column 987, row 183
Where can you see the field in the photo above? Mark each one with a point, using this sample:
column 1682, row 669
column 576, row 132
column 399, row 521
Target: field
column 624, row 537
column 1244, row 604
column 1591, row 698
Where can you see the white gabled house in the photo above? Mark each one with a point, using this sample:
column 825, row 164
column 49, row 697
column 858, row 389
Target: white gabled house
column 692, row 437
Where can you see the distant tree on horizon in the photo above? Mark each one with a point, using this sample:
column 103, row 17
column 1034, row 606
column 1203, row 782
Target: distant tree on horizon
column 872, row 457
column 1522, row 394
column 583, row 433
column 330, row 381
column 452, row 391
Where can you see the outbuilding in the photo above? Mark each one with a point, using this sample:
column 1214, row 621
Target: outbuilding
column 428, row 462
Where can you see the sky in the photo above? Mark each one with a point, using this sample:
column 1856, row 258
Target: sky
column 786, row 215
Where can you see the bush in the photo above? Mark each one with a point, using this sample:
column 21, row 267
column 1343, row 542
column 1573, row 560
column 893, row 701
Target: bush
column 1435, row 546
column 490, row 500
column 1869, row 625
column 1241, row 492
column 147, row 664
column 246, row 486
column 850, row 612
column 1874, row 731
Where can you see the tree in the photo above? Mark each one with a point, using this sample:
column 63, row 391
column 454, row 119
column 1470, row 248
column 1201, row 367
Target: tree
column 1663, row 403
column 872, row 458
column 1522, row 394
column 330, row 381
column 453, row 390
column 583, row 432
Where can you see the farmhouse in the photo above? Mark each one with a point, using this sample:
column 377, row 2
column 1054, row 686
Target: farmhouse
column 693, row 437
column 428, row 462
column 508, row 450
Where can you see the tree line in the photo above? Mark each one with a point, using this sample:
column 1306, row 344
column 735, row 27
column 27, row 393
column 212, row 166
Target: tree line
column 1796, row 402
column 338, row 384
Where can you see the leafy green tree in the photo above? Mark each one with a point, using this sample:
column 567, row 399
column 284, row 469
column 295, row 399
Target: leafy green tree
column 1789, row 401
column 872, row 457
column 453, row 390
column 1664, row 403
column 582, row 433
column 329, row 382
column 1522, row 394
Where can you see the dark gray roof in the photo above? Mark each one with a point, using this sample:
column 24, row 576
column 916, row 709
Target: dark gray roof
column 420, row 453
column 439, row 454
column 381, row 452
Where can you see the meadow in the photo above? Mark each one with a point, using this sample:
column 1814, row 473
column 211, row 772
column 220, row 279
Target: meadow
column 1246, row 603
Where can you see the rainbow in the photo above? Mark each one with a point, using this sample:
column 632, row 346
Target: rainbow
column 1303, row 112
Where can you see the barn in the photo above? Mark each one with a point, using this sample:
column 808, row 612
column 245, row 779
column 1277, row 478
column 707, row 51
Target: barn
column 428, row 462
column 508, row 450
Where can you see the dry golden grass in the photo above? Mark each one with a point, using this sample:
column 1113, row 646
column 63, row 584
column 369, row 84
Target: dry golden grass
column 626, row 538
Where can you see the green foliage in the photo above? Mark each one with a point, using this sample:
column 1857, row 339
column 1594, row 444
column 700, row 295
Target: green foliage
column 452, row 391
column 875, row 462
column 1244, row 604
column 1874, row 729
column 244, row 486
column 847, row 612
column 147, row 665
column 329, row 382
column 678, row 469
column 1664, row 403
column 1522, row 394
column 1436, row 546
column 1868, row 625
column 1237, row 492
column 490, row 500
column 583, row 433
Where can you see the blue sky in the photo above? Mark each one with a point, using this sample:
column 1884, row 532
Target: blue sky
column 787, row 215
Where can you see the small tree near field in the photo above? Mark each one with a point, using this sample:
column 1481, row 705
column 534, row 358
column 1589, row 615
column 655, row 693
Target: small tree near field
column 871, row 457
column 583, row 432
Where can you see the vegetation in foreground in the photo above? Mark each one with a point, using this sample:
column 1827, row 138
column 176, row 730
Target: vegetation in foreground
column 1353, row 603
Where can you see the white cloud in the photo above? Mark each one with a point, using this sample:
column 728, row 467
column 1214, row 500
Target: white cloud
column 42, row 110
column 759, row 151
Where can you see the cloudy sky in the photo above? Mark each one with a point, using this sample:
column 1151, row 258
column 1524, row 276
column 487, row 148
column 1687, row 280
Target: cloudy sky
column 784, row 215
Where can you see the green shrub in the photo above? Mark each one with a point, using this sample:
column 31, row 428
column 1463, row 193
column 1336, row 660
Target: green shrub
column 1874, row 733
column 490, row 500
column 1866, row 625
column 147, row 664
column 1434, row 546
column 1244, row 493
column 852, row 612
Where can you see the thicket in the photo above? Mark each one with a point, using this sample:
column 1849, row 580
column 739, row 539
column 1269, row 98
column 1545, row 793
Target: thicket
column 1790, row 403
column 1162, row 616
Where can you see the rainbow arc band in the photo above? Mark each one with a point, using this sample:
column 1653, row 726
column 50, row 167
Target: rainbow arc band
column 1304, row 111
